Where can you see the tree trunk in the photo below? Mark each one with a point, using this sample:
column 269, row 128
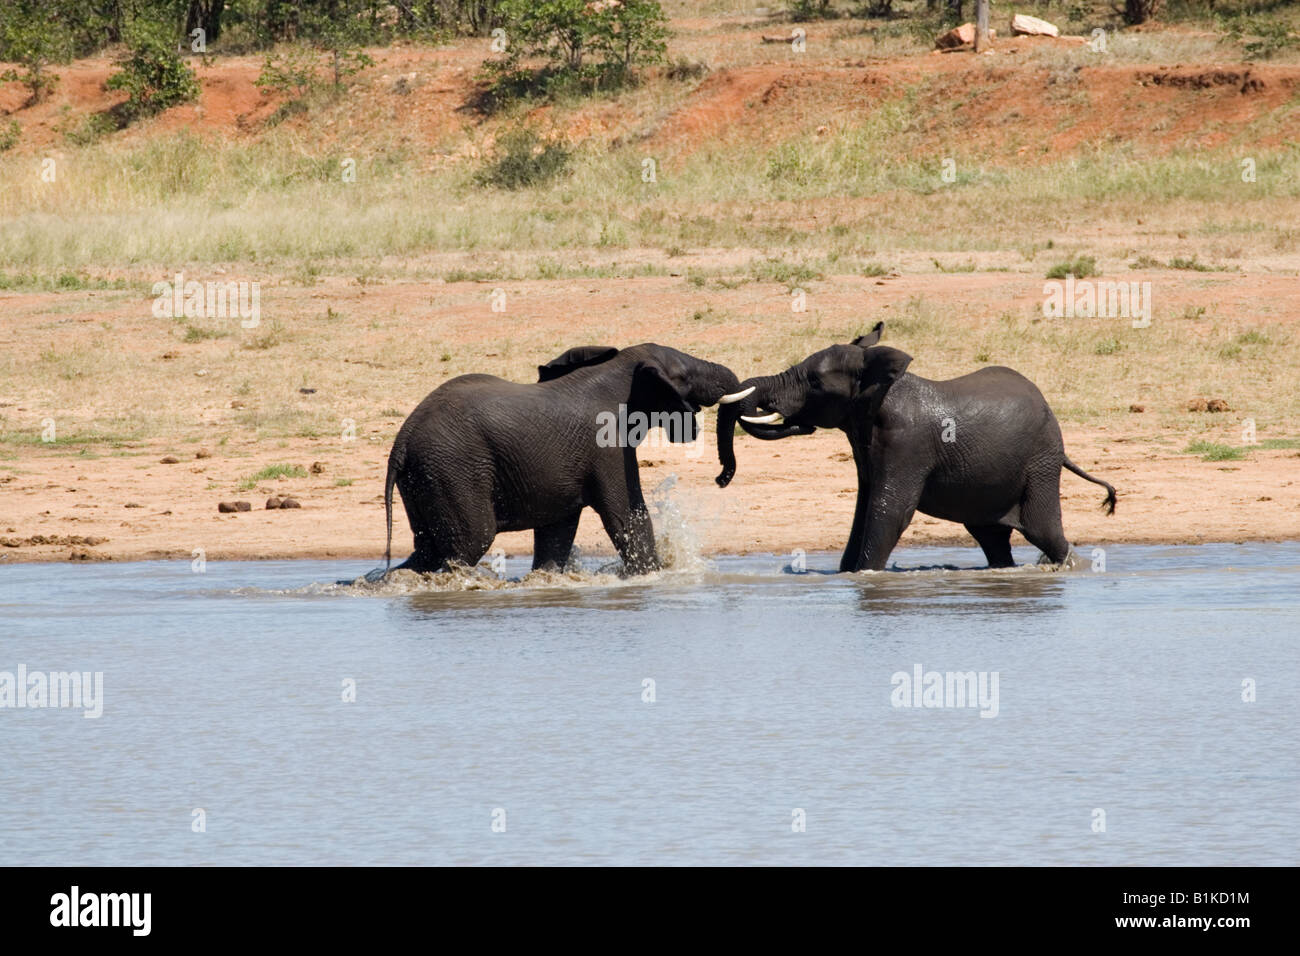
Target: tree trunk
column 981, row 25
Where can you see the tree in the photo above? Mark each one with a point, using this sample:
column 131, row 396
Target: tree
column 981, row 25
column 36, row 38
column 620, row 34
column 476, row 17
column 205, row 15
column 1140, row 11
column 629, row 34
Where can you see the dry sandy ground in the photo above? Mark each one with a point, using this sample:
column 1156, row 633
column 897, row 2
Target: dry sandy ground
column 377, row 350
column 122, row 503
column 794, row 494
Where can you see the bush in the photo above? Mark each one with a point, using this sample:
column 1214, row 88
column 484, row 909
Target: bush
column 587, row 45
column 290, row 72
column 154, row 78
column 9, row 136
column 685, row 69
column 91, row 129
column 523, row 160
column 1261, row 39
column 1080, row 268
column 801, row 11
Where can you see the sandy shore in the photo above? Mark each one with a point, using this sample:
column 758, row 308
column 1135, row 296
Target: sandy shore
column 794, row 494
column 126, row 390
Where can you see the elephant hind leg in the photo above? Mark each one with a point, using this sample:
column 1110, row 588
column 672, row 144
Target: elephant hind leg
column 1040, row 519
column 553, row 544
column 995, row 540
column 417, row 494
column 423, row 559
column 445, row 531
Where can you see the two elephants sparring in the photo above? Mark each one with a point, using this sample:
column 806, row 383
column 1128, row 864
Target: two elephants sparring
column 481, row 455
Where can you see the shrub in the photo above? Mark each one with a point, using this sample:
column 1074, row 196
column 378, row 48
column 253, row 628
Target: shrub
column 801, row 11
column 290, row 71
column 686, row 69
column 90, row 129
column 523, row 160
column 1080, row 268
column 586, row 45
column 1261, row 39
column 154, row 78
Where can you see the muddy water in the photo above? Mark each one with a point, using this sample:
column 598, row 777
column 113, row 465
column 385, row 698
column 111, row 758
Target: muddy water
column 726, row 711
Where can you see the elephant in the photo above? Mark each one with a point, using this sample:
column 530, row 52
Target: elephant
column 983, row 449
column 481, row 455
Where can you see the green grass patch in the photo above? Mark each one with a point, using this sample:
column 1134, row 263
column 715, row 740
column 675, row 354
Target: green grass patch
column 271, row 472
column 1213, row 451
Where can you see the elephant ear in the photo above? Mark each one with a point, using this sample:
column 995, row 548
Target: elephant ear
column 871, row 338
column 574, row 359
column 881, row 368
column 654, row 391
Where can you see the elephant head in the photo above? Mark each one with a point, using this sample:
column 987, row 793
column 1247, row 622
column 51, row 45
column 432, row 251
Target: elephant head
column 832, row 388
column 650, row 379
column 666, row 380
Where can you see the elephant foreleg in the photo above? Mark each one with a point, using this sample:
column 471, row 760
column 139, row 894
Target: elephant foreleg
column 634, row 539
column 849, row 559
column 623, row 512
column 553, row 544
column 890, row 507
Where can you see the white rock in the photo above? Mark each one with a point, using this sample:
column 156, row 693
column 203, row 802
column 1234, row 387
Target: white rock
column 1032, row 26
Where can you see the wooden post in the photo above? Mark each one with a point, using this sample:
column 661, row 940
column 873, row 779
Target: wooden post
column 981, row 25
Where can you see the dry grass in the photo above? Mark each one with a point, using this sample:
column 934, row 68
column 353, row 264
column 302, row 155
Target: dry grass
column 375, row 291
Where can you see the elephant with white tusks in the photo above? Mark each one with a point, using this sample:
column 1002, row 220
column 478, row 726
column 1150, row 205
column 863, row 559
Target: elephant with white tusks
column 984, row 449
column 481, row 455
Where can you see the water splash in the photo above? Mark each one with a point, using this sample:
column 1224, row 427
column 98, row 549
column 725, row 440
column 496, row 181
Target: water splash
column 675, row 537
column 403, row 582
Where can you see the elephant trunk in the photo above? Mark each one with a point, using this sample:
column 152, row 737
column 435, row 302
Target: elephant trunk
column 729, row 415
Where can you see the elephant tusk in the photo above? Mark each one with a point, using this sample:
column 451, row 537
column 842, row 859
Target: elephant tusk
column 762, row 419
column 736, row 396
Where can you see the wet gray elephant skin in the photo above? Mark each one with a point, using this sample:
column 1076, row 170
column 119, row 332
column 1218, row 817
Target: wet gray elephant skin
column 481, row 455
column 983, row 450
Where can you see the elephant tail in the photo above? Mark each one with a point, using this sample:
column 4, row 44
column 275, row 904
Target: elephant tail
column 396, row 459
column 1109, row 503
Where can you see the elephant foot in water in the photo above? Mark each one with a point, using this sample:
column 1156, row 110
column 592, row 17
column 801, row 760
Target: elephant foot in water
column 1072, row 562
